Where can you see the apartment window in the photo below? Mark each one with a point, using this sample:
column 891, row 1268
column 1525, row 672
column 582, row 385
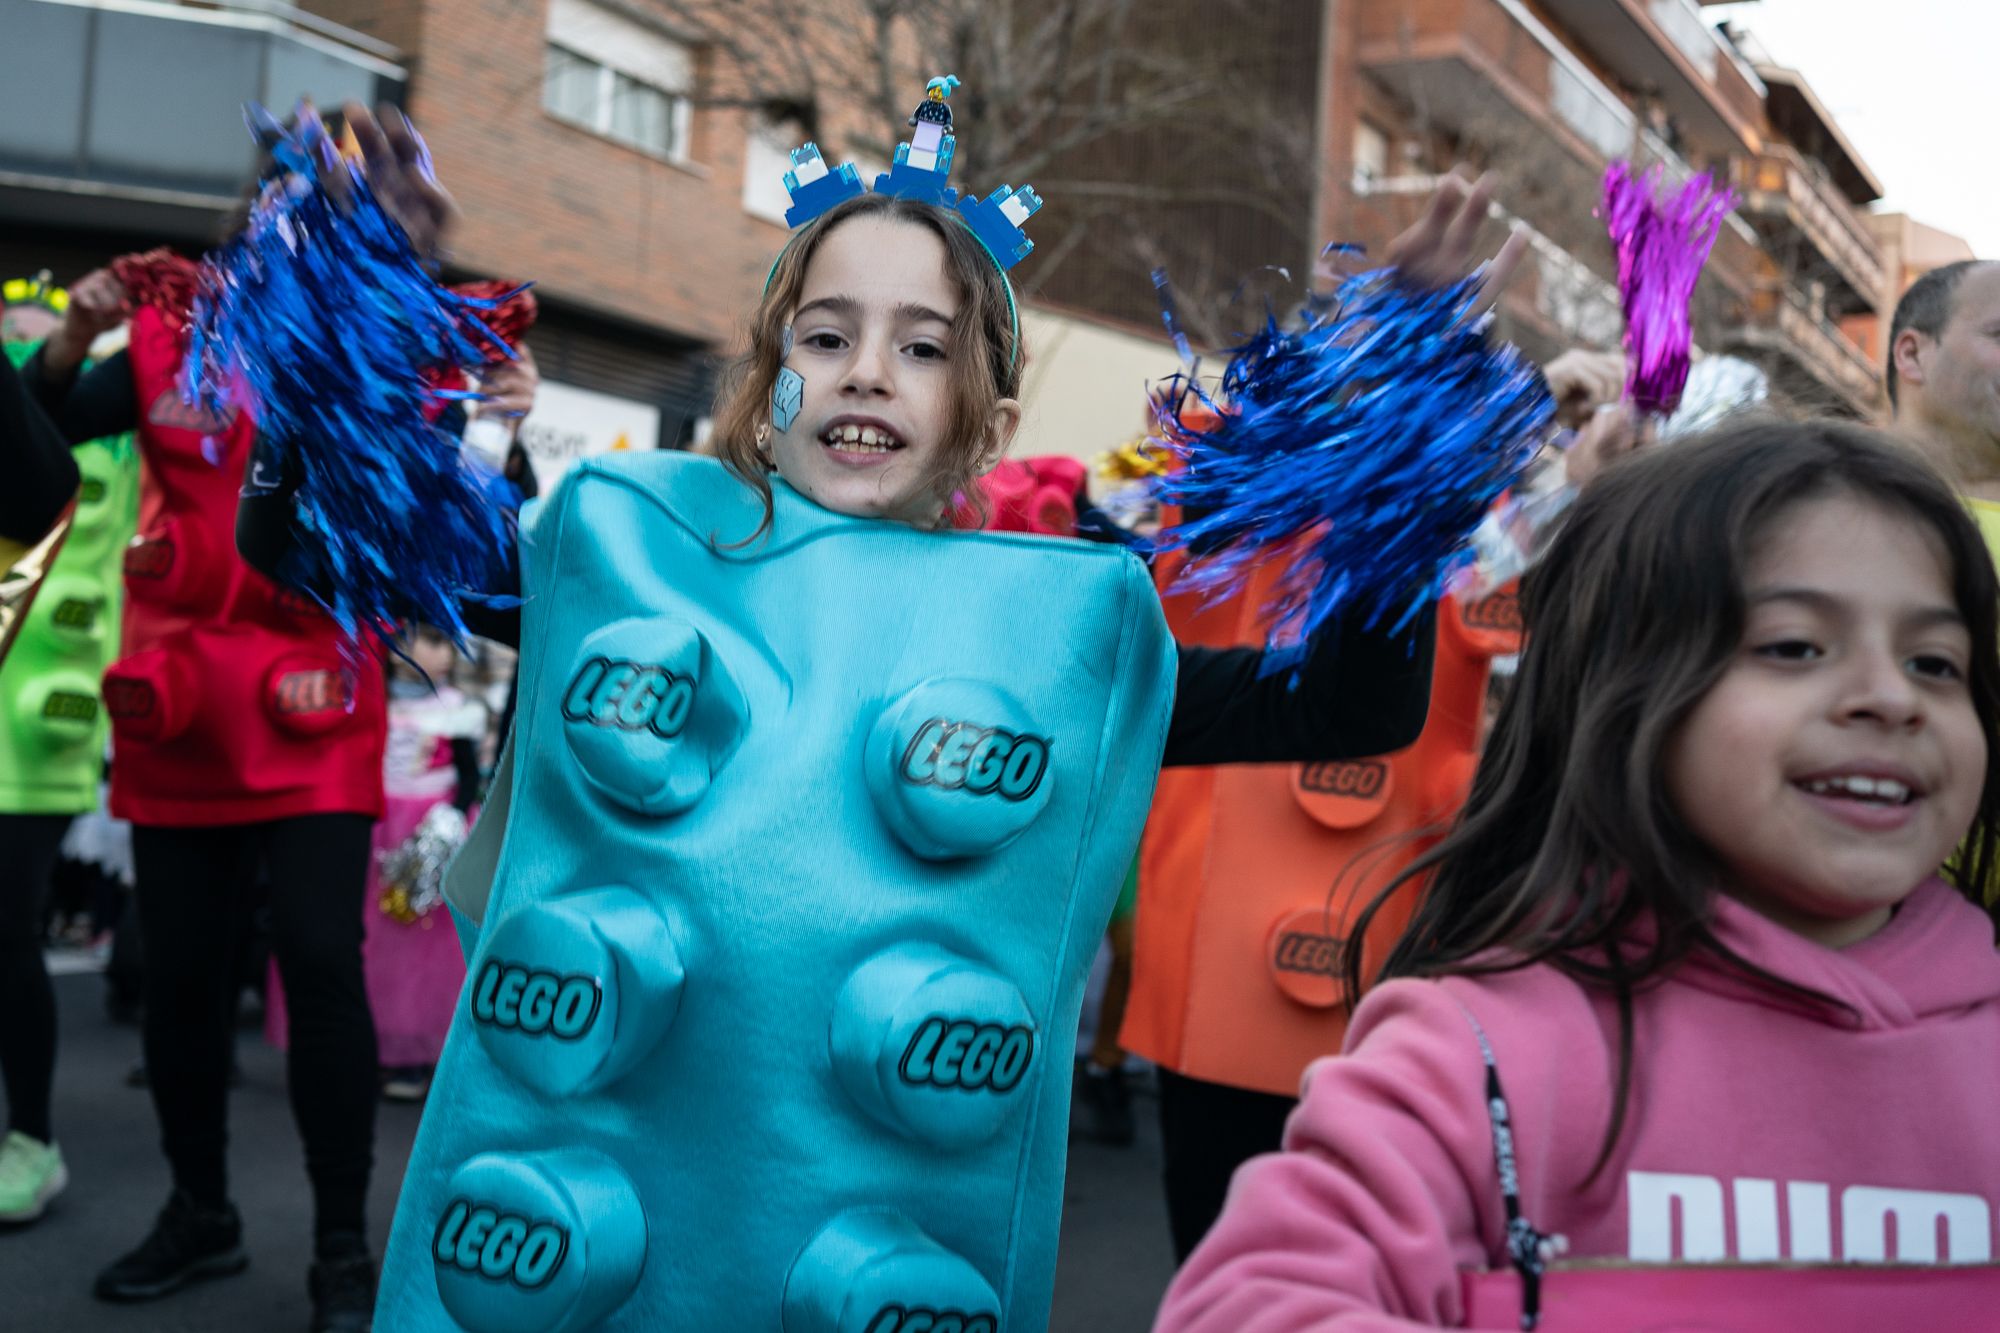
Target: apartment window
column 1371, row 155
column 617, row 78
column 767, row 156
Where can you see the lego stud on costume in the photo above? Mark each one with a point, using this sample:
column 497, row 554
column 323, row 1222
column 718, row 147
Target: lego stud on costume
column 916, row 1029
column 874, row 1271
column 958, row 768
column 650, row 714
column 538, row 1243
column 571, row 994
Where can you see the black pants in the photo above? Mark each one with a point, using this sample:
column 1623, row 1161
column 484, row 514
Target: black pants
column 196, row 892
column 28, row 848
column 1207, row 1131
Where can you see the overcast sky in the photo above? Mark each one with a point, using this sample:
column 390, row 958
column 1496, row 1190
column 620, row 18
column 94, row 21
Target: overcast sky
column 1912, row 84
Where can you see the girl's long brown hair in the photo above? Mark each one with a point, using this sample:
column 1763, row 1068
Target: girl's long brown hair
column 981, row 348
column 1569, row 837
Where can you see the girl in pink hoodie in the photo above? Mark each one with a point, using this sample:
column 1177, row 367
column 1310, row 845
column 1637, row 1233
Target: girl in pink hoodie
column 1685, row 987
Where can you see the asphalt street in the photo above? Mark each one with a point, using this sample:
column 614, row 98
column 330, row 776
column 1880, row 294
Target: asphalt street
column 1115, row 1256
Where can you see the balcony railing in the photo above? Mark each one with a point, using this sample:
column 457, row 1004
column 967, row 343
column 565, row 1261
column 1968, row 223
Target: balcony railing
column 1668, row 46
column 1821, row 346
column 1735, row 82
column 123, row 102
column 1521, row 62
column 1686, row 29
column 1779, row 184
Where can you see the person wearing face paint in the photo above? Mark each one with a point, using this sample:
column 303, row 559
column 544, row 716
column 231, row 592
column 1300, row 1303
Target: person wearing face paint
column 1699, row 996
column 863, row 787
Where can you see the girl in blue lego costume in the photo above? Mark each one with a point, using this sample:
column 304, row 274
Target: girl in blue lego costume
column 814, row 815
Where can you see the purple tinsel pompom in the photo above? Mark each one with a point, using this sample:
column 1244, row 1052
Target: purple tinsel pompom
column 320, row 320
column 1380, row 431
column 1662, row 243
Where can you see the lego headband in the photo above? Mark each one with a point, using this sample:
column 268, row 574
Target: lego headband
column 921, row 171
column 39, row 290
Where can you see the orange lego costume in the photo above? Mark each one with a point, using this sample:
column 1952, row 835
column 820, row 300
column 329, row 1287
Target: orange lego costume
column 1247, row 873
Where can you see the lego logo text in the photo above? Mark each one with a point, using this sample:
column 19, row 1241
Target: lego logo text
column 630, row 696
column 149, row 558
column 1299, row 951
column 501, row 1247
column 896, row 1319
column 312, row 691
column 65, row 706
column 1361, row 780
column 964, row 756
column 1501, row 611
column 962, row 1053
column 128, row 698
column 534, row 1002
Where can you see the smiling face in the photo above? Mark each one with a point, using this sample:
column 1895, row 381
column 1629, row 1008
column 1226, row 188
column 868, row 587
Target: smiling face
column 1839, row 759
column 866, row 432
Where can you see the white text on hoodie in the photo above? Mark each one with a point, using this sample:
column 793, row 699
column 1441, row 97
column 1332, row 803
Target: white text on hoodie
column 1866, row 1211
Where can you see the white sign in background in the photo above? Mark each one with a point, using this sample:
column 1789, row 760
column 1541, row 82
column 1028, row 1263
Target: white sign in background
column 569, row 423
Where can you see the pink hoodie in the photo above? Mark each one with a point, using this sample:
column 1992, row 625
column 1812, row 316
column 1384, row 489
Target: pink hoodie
column 1760, row 1127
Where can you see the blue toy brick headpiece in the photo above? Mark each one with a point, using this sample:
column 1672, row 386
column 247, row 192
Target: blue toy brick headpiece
column 922, row 171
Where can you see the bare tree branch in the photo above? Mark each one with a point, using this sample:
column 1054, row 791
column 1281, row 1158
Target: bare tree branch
column 1154, row 142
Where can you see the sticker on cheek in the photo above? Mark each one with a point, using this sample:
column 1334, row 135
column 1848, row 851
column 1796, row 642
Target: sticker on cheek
column 786, row 344
column 787, row 396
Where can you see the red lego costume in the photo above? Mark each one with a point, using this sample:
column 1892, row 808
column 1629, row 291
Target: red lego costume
column 233, row 704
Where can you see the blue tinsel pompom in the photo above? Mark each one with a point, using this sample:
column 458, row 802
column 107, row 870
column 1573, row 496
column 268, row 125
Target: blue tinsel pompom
column 1367, row 443
column 320, row 320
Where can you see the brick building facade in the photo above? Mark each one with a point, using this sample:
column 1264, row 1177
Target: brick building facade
column 601, row 148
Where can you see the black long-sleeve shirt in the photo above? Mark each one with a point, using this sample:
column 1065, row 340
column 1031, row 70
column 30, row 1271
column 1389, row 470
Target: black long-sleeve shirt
column 41, row 477
column 1360, row 691
column 99, row 402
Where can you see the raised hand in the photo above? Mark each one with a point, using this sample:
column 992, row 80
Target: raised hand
column 1581, row 381
column 398, row 168
column 1613, row 431
column 509, row 387
column 1440, row 248
column 98, row 303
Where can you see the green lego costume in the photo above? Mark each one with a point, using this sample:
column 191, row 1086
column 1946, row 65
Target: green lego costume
column 52, row 720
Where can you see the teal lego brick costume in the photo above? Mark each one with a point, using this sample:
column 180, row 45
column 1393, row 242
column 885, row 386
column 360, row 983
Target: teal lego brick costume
column 52, row 718
column 785, row 907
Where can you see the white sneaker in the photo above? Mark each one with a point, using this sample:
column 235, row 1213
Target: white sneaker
column 31, row 1174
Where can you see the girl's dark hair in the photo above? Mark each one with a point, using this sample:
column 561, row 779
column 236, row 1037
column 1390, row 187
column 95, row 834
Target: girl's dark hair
column 981, row 346
column 1569, row 837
